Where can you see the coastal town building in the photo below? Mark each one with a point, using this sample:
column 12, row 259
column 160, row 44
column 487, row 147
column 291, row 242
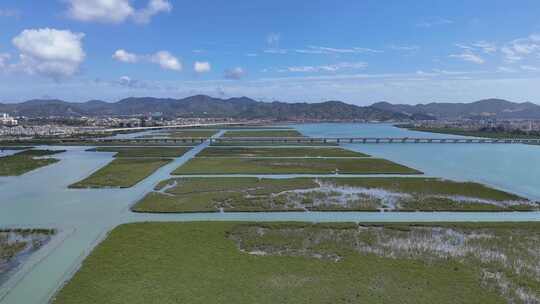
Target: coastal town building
column 6, row 120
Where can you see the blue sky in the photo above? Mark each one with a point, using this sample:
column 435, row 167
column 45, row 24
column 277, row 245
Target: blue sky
column 356, row 51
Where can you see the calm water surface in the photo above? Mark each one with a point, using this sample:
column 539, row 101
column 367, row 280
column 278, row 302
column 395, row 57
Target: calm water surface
column 83, row 217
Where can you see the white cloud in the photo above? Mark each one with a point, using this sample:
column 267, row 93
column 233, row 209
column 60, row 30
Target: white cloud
column 479, row 46
column 154, row 7
column 517, row 49
column 506, row 69
column 235, row 73
column 125, row 81
column 251, row 54
column 163, row 58
column 510, row 55
column 486, row 47
column 128, row 82
column 202, row 67
column 109, row 11
column 276, row 51
column 469, row 56
column 124, row 56
column 4, row 57
column 166, row 60
column 115, row 11
column 50, row 52
column 331, row 50
column 325, row 68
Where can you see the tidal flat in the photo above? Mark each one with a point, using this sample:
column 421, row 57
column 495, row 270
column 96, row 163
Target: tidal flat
column 251, row 194
column 16, row 245
column 218, row 262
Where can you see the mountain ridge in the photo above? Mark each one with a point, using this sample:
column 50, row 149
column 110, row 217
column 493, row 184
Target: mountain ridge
column 485, row 108
column 201, row 105
column 248, row 108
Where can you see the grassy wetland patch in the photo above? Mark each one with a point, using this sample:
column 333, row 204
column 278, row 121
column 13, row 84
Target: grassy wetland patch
column 239, row 143
column 26, row 161
column 263, row 133
column 122, row 173
column 279, row 152
column 130, row 166
column 144, row 151
column 240, row 194
column 217, row 262
column 18, row 244
column 182, row 134
column 203, row 165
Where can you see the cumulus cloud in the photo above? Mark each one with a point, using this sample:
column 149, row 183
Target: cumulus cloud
column 126, row 81
column 234, row 73
column 469, row 56
column 166, row 60
column 154, row 7
column 124, row 56
column 49, row 52
column 115, row 11
column 110, row 11
column 325, row 68
column 163, row 58
column 202, row 66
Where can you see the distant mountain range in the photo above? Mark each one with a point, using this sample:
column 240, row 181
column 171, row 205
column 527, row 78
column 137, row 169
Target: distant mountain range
column 200, row 106
column 488, row 108
column 243, row 107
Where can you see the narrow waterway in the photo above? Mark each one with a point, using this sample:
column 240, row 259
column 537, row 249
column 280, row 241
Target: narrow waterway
column 41, row 199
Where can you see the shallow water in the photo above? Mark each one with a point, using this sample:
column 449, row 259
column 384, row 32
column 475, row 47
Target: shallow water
column 8, row 152
column 40, row 199
column 511, row 167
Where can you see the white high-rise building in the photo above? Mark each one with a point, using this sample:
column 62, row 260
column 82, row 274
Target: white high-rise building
column 6, row 120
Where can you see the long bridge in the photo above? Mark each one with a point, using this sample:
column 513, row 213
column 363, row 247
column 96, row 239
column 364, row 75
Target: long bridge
column 309, row 140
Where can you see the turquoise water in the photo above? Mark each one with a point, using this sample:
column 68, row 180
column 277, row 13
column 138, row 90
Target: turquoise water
column 83, row 217
column 511, row 167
